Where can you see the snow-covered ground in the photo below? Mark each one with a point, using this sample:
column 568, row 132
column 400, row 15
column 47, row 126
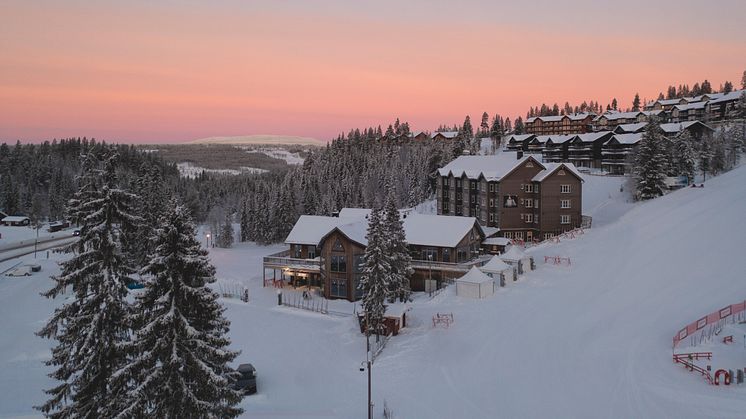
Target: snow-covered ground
column 188, row 169
column 280, row 153
column 590, row 340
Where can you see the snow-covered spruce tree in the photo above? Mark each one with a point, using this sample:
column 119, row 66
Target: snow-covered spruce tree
column 718, row 161
column 179, row 367
column 685, row 155
column 374, row 281
column 396, row 241
column 225, row 237
column 705, row 156
column 92, row 326
column 650, row 163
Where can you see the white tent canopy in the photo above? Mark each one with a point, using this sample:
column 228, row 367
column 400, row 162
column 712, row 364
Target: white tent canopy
column 475, row 284
column 514, row 256
column 498, row 269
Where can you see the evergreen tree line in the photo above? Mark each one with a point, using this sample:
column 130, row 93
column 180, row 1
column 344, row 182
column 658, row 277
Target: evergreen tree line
column 349, row 172
column 37, row 180
column 165, row 354
column 658, row 156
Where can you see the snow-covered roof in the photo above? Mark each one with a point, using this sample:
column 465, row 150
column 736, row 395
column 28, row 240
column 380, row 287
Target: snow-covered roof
column 556, row 118
column 591, row 136
column 666, row 102
column 674, row 127
column 513, row 254
column 491, row 167
column 447, row 134
column 688, row 106
column 552, row 167
column 495, row 265
column 632, row 138
column 541, row 139
column 475, row 276
column 14, row 219
column 309, row 229
column 519, row 137
column 612, row 116
column 489, row 231
column 496, row 241
column 628, row 128
column 560, row 138
column 734, row 95
column 437, row 230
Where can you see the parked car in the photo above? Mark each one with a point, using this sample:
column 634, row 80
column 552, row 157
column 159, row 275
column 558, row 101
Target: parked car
column 34, row 267
column 247, row 381
column 135, row 285
column 24, row 270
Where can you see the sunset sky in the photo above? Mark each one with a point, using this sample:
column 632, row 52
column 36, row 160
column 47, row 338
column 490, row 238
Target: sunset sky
column 170, row 71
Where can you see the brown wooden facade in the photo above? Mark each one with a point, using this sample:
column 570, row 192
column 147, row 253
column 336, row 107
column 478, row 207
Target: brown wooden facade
column 557, row 125
column 521, row 207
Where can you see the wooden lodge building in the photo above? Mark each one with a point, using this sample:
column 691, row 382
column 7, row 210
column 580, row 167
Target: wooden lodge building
column 327, row 252
column 560, row 124
column 520, row 196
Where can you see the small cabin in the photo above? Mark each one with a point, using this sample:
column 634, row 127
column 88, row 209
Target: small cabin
column 16, row 221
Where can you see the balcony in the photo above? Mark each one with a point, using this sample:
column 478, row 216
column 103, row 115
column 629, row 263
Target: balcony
column 281, row 260
column 449, row 266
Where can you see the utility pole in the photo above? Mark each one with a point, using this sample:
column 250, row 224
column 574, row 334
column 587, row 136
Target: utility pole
column 368, row 364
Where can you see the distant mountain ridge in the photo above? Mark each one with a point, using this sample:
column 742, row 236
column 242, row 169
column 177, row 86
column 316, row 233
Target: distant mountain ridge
column 259, row 139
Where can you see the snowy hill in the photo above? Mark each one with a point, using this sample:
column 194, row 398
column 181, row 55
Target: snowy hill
column 260, row 139
column 586, row 341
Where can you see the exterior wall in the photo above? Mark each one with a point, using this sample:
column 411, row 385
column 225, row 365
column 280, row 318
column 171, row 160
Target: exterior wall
column 513, row 220
column 348, row 277
column 565, row 125
column 550, row 205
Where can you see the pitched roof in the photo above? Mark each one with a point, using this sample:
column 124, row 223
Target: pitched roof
column 437, row 230
column 630, row 128
column 495, row 265
column 14, row 219
column 592, row 136
column 491, row 167
column 447, row 134
column 556, row 118
column 674, row 127
column 612, row 116
column 694, row 105
column 310, row 229
column 520, row 137
column 475, row 276
column 552, row 167
column 734, row 95
column 559, row 138
column 630, row 139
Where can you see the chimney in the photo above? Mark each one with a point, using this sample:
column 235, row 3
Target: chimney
column 518, row 155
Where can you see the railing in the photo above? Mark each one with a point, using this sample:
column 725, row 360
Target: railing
column 686, row 360
column 280, row 259
column 450, row 266
column 711, row 323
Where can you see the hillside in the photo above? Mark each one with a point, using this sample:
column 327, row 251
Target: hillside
column 586, row 341
column 260, row 139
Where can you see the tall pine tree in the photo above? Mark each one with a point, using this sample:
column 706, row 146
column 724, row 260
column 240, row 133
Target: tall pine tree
column 179, row 367
column 374, row 281
column 92, row 326
column 651, row 163
column 401, row 261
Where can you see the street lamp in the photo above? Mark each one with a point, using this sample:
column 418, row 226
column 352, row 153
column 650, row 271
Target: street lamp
column 207, row 240
column 368, row 363
column 430, row 266
column 36, row 243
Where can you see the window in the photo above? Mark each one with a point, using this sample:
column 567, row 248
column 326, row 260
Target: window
column 564, row 219
column 339, row 263
column 338, row 246
column 311, row 252
column 519, row 235
column 529, row 188
column 564, row 203
column 458, row 183
column 474, row 185
column 565, row 189
column 429, row 254
column 511, row 201
column 473, row 199
column 446, row 255
column 462, row 255
column 508, row 234
column 536, row 203
column 445, row 181
column 548, row 236
column 529, row 218
column 529, row 203
column 492, row 217
column 339, row 288
column 492, row 187
column 296, row 251
column 492, row 203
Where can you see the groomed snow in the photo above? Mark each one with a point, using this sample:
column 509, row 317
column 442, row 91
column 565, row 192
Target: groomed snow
column 590, row 340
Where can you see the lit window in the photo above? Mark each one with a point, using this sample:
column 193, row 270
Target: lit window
column 565, row 189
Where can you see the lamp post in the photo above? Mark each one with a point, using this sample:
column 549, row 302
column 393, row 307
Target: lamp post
column 430, row 268
column 368, row 363
column 36, row 243
column 207, row 240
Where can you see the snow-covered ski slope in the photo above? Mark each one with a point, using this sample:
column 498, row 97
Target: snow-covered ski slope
column 592, row 340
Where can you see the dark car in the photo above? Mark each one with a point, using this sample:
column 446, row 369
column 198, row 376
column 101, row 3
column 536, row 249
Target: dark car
column 76, row 233
column 247, row 380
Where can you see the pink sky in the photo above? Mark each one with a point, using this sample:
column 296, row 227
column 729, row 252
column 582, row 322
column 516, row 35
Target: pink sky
column 182, row 70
